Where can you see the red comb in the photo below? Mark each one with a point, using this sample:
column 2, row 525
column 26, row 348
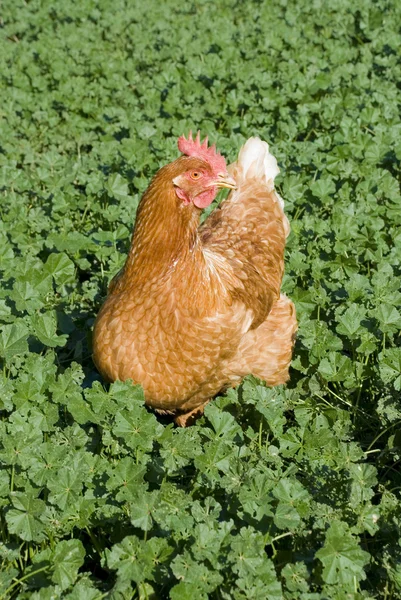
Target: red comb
column 194, row 147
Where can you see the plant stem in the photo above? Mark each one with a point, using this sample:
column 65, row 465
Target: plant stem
column 12, row 478
column 8, row 590
column 382, row 433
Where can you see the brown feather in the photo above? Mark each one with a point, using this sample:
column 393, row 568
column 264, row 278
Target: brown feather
column 248, row 230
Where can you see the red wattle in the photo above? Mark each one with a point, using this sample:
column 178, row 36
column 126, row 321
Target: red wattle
column 205, row 198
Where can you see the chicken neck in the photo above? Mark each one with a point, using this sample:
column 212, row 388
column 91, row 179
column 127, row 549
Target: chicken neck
column 165, row 237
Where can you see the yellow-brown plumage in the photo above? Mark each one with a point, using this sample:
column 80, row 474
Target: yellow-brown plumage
column 196, row 308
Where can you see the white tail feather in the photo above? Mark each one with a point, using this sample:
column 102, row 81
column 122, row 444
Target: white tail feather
column 255, row 160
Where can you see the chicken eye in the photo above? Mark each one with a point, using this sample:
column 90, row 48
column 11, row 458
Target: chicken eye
column 195, row 175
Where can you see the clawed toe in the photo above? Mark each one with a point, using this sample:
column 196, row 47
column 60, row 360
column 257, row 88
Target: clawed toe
column 189, row 418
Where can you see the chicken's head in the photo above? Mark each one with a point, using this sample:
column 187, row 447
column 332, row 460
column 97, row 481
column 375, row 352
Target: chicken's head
column 203, row 175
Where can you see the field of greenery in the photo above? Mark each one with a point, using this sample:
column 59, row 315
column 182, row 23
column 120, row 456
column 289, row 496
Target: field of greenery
column 291, row 493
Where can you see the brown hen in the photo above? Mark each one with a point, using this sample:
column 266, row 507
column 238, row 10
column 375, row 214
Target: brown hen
column 198, row 307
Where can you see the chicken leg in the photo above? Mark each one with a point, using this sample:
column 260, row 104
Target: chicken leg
column 189, row 418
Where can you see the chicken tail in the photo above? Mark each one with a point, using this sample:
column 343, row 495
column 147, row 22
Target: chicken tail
column 256, row 162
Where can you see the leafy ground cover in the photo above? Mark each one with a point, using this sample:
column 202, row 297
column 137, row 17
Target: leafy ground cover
column 288, row 493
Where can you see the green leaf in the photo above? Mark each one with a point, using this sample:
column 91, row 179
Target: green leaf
column 268, row 402
column 45, row 328
column 389, row 318
column 141, row 509
column 126, row 394
column 137, row 428
column 198, row 577
column 390, row 367
column 286, row 517
column 179, row 447
column 296, row 576
column 187, row 591
column 23, row 519
column 247, row 552
column 342, row 557
column 336, row 367
column 350, row 321
column 83, row 589
column 61, row 268
column 293, row 498
column 130, row 559
column 126, row 477
column 223, row 423
column 116, row 186
column 65, row 487
column 68, row 558
column 323, row 187
column 13, row 340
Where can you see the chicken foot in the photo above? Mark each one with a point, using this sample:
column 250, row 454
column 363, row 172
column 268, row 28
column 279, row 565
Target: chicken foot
column 189, row 418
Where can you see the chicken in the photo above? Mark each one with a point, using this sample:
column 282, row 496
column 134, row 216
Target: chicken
column 198, row 307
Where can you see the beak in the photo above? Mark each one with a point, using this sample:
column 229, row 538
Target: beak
column 224, row 181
